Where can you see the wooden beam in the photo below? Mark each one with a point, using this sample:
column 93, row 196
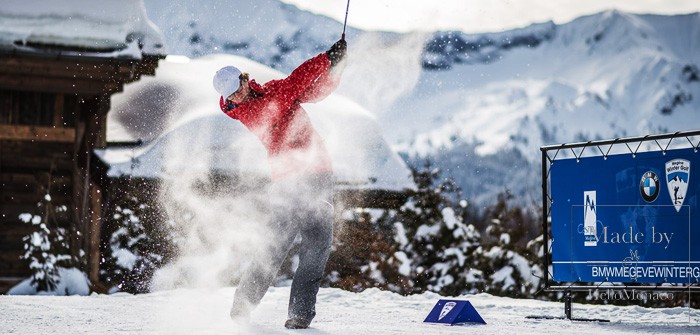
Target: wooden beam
column 58, row 84
column 36, row 148
column 30, row 178
column 58, row 110
column 12, row 233
column 37, row 188
column 60, row 165
column 24, row 198
column 100, row 69
column 41, row 134
column 11, row 265
column 94, row 232
column 103, row 71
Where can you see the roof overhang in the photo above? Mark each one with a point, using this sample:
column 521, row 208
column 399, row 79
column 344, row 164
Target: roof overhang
column 71, row 72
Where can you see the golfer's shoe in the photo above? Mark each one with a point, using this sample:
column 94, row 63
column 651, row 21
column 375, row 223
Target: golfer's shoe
column 297, row 324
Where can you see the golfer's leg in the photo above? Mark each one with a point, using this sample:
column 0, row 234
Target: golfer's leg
column 316, row 240
column 263, row 270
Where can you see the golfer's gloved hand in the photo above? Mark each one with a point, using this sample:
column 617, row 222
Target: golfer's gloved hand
column 337, row 52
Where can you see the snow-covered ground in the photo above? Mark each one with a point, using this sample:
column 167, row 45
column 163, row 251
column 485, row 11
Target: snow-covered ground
column 205, row 311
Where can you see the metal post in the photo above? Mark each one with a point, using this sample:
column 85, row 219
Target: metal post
column 545, row 214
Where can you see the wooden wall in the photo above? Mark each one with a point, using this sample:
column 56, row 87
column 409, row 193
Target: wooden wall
column 53, row 110
column 37, row 137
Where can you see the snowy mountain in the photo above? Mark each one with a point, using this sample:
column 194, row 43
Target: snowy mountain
column 267, row 31
column 478, row 105
column 602, row 76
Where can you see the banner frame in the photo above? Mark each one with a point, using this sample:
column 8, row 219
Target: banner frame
column 549, row 156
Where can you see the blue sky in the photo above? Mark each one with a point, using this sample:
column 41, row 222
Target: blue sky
column 478, row 15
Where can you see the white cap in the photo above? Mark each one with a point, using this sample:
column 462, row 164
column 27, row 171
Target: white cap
column 226, row 80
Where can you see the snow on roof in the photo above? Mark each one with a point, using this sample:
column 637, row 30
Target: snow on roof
column 101, row 27
column 177, row 116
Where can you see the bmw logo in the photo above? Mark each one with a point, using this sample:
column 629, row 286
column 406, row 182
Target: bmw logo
column 649, row 186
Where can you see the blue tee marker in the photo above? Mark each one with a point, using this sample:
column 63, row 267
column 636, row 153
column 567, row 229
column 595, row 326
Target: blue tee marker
column 454, row 312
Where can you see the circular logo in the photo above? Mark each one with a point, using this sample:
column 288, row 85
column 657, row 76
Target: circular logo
column 649, row 186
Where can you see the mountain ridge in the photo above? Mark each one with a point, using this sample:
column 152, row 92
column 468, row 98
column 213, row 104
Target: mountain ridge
column 481, row 105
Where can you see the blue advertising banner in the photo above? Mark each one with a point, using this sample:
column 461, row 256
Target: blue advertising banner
column 626, row 219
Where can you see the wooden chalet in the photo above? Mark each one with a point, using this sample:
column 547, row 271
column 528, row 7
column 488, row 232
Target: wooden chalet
column 54, row 101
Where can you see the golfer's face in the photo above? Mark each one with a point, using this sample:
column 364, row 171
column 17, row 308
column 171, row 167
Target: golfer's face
column 241, row 93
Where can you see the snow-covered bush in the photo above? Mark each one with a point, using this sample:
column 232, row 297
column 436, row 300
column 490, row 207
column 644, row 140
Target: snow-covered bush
column 364, row 255
column 424, row 245
column 439, row 250
column 138, row 245
column 508, row 259
column 436, row 242
column 46, row 248
column 72, row 282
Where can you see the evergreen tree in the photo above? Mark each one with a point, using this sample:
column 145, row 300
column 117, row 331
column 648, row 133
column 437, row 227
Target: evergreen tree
column 139, row 245
column 431, row 244
column 47, row 248
column 440, row 248
column 505, row 241
column 364, row 256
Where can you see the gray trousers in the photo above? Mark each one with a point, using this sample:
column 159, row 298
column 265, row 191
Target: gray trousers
column 298, row 206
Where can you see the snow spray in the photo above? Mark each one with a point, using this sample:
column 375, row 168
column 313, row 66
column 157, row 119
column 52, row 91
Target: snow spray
column 222, row 214
column 382, row 68
column 220, row 219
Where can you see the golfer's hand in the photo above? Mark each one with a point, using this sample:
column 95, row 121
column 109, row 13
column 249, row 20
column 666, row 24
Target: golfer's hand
column 337, row 52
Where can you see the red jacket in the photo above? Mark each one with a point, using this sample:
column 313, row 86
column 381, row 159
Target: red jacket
column 275, row 116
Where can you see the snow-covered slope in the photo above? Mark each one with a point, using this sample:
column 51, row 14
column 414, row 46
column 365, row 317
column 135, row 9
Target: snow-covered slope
column 602, row 76
column 267, row 31
column 480, row 105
